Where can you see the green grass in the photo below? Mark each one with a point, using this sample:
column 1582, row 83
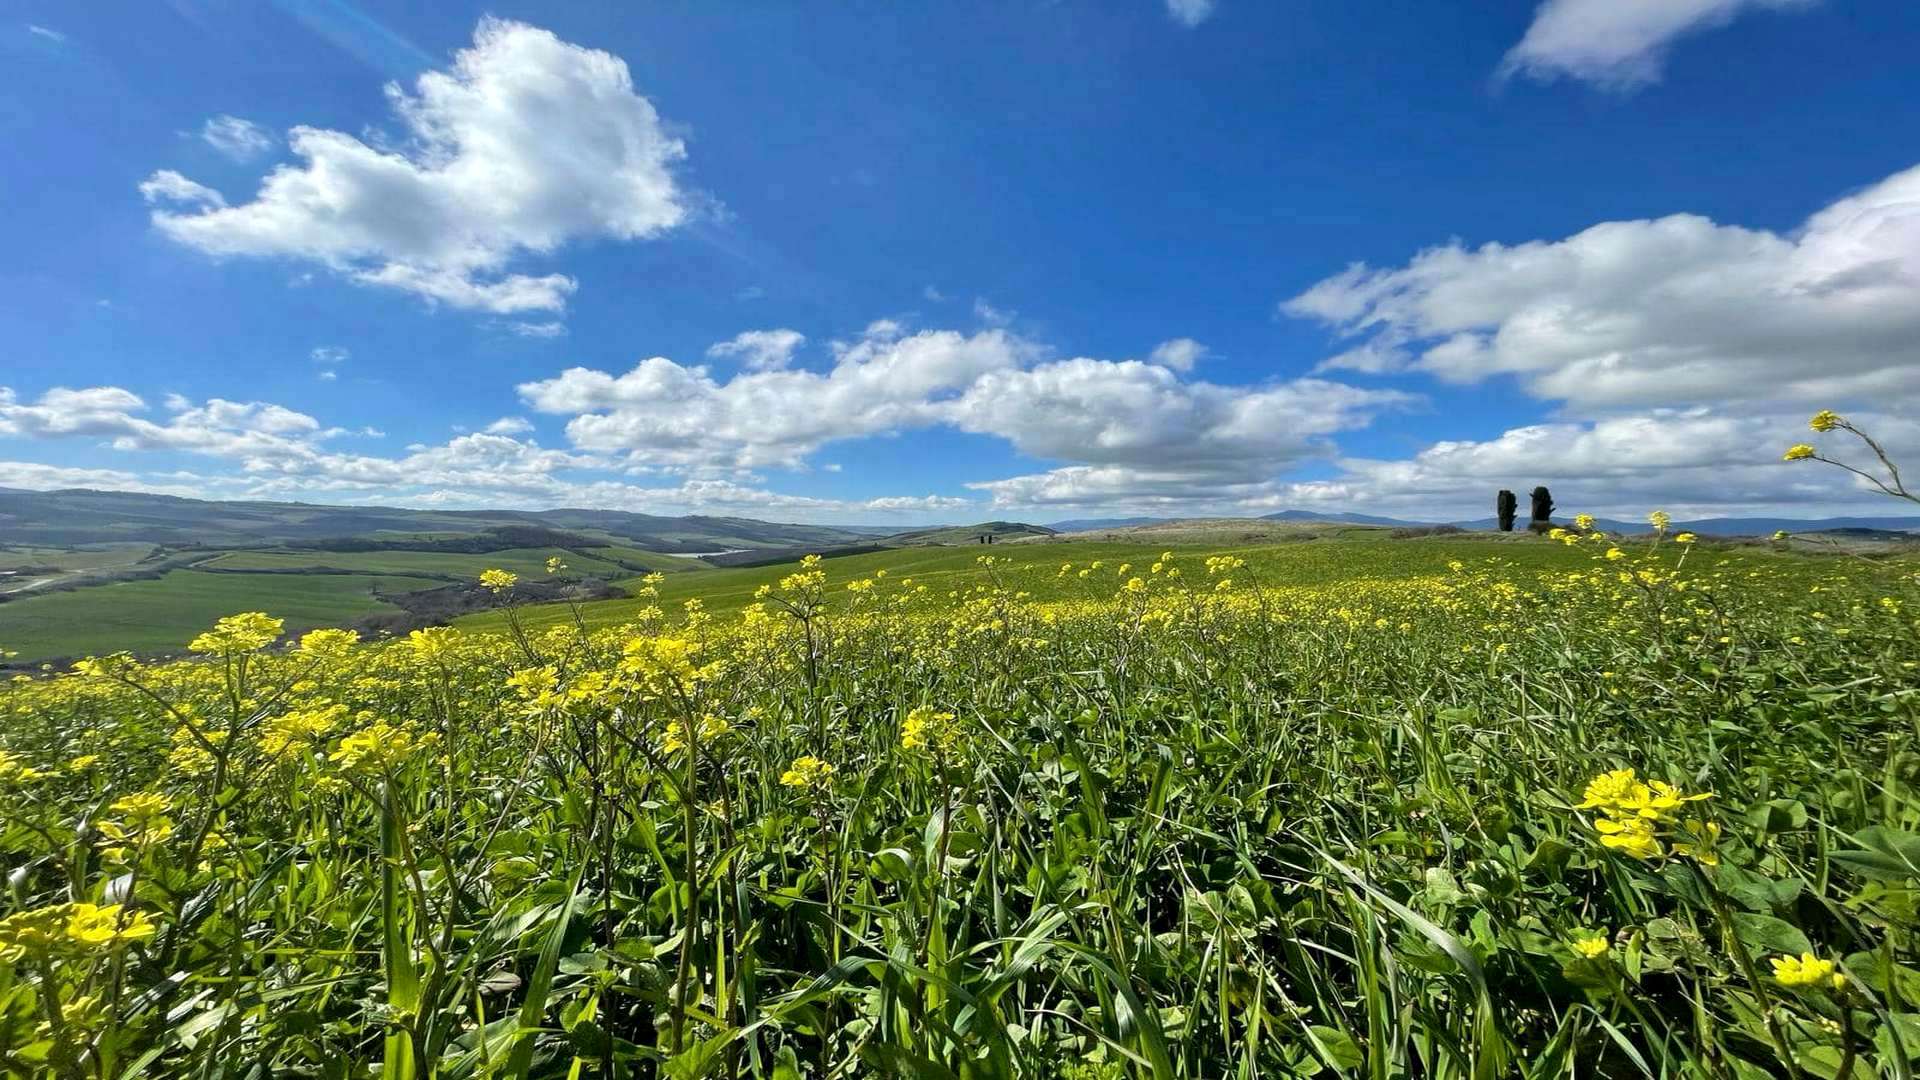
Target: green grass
column 1034, row 567
column 1343, row 825
column 88, row 558
column 161, row 615
column 527, row 562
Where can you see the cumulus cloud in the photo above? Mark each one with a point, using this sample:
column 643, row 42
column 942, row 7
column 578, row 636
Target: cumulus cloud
column 1619, row 43
column 525, row 143
column 1670, row 311
column 664, row 414
column 1112, row 424
column 1190, row 13
column 760, row 350
column 241, row 140
column 33, row 476
column 281, row 453
column 1691, row 462
column 1180, row 354
column 167, row 186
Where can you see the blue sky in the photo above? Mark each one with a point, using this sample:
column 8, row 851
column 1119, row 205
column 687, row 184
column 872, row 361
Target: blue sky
column 910, row 263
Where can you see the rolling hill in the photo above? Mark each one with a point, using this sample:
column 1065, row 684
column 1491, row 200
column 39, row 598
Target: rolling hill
column 79, row 516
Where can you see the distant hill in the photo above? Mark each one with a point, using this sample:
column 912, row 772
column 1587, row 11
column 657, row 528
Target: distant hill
column 1092, row 524
column 81, row 516
column 965, row 534
column 1344, row 519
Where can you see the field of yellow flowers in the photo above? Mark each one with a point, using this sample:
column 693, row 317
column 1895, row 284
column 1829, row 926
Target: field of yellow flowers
column 1652, row 815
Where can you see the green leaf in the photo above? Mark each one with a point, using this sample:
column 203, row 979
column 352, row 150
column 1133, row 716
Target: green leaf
column 1885, row 853
column 534, row 1008
column 1337, row 1045
column 1767, row 934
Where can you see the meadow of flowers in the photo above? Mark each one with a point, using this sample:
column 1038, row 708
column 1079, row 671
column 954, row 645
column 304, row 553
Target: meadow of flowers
column 1653, row 814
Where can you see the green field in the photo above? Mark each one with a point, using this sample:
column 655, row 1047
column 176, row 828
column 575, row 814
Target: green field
column 1034, row 567
column 86, row 558
column 161, row 615
column 1454, row 806
column 528, row 562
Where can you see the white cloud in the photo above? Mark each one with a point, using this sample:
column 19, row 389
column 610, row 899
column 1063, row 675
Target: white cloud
column 524, row 144
column 328, row 376
column 1678, row 310
column 241, row 140
column 1113, row 424
column 540, row 329
column 934, row 295
column 49, row 33
column 169, row 186
column 329, row 354
column 1190, row 12
column 1690, row 462
column 991, row 315
column 1619, row 43
column 1180, row 354
column 34, row 476
column 281, row 453
column 760, row 350
column 663, row 414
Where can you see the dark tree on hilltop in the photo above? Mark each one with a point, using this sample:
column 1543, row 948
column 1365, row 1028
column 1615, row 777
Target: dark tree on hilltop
column 1507, row 506
column 1542, row 508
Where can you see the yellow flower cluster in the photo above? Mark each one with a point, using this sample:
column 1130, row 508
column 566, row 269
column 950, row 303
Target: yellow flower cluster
column 1797, row 452
column 1640, row 818
column 143, row 820
column 290, row 733
column 379, row 748
column 924, row 729
column 328, row 644
column 498, row 581
column 246, row 632
column 61, row 927
column 1806, row 970
column 807, row 772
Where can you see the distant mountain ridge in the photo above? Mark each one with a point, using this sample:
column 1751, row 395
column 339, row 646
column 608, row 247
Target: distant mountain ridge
column 81, row 516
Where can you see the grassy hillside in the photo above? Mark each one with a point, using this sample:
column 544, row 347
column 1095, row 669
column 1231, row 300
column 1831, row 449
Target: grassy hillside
column 91, row 517
column 1430, row 807
column 163, row 614
column 531, row 562
column 1035, row 567
column 1001, row 531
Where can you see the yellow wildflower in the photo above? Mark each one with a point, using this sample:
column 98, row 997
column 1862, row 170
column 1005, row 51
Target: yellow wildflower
column 498, row 581
column 379, row 748
column 1825, row 420
column 807, row 772
column 1660, row 520
column 1632, row 836
column 104, row 926
column 1797, row 452
column 923, row 727
column 328, row 644
column 243, row 633
column 1592, row 944
column 1583, row 522
column 1806, row 970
